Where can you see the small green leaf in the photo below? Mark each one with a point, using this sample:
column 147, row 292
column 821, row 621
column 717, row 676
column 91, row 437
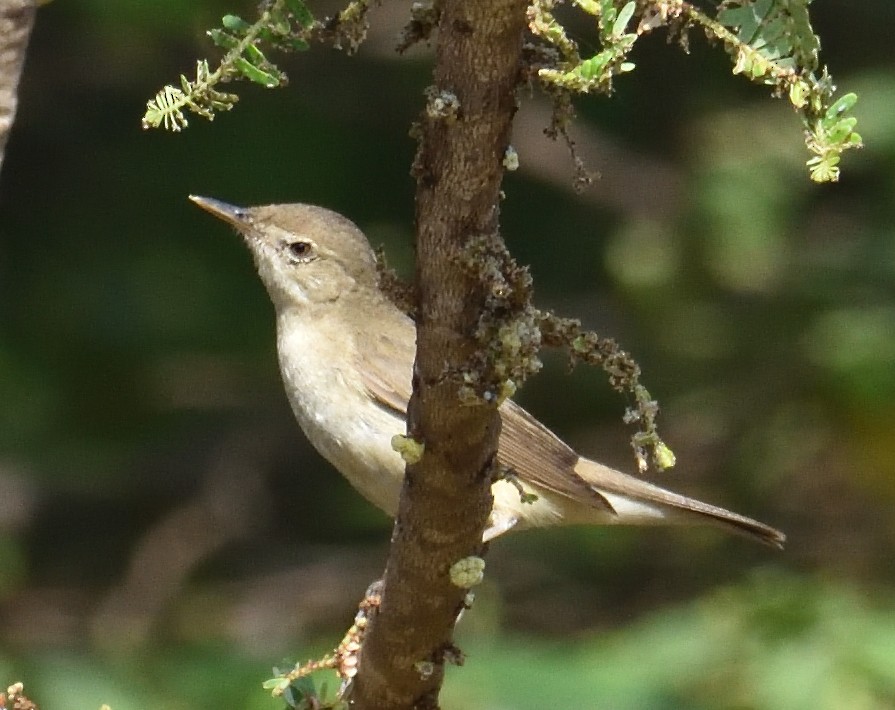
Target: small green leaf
column 275, row 683
column 842, row 130
column 279, row 22
column 760, row 68
column 798, row 93
column 624, row 17
column 235, row 23
column 735, row 16
column 305, row 685
column 824, row 169
column 301, row 13
column 841, row 106
column 223, row 39
column 592, row 68
column 253, row 73
column 589, row 6
column 254, row 55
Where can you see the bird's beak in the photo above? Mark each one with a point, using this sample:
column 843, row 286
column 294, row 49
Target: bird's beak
column 237, row 216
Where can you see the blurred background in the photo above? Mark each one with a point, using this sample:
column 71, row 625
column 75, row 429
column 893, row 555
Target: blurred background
column 167, row 535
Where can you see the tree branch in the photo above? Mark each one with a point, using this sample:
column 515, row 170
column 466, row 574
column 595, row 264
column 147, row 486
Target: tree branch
column 446, row 498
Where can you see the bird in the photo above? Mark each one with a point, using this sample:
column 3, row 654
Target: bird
column 346, row 355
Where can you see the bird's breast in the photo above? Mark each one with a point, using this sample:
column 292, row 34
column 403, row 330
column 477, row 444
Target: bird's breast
column 336, row 414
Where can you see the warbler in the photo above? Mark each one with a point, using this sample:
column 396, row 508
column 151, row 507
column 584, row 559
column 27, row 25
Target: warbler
column 346, row 356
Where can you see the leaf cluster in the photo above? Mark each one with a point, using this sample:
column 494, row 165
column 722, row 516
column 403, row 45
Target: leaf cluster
column 771, row 42
column 301, row 693
column 282, row 25
column 595, row 73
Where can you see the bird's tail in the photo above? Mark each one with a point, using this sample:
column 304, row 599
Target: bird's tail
column 637, row 501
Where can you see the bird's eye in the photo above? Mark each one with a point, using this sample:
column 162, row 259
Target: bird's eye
column 300, row 250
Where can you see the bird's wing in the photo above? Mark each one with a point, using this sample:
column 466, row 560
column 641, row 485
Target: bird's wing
column 387, row 367
column 526, row 446
column 538, row 456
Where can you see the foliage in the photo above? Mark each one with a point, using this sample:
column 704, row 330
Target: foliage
column 776, row 642
column 771, row 43
column 595, row 73
column 302, row 694
column 282, row 25
column 295, row 684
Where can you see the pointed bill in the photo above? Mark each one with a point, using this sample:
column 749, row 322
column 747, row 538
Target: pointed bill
column 237, row 216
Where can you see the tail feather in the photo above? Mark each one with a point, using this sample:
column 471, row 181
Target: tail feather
column 639, row 501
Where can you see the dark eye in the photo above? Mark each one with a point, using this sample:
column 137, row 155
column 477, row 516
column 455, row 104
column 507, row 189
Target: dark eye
column 300, row 250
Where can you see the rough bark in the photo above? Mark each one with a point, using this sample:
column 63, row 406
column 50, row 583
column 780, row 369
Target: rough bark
column 446, row 497
column 16, row 21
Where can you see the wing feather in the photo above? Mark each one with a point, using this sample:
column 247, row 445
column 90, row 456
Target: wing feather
column 538, row 456
column 526, row 446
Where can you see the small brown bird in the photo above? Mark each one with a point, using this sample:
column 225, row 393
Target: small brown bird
column 346, row 355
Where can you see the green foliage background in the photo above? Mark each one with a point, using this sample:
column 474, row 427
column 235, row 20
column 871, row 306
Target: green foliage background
column 167, row 534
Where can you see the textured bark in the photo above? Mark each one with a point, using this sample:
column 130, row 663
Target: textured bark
column 16, row 21
column 446, row 497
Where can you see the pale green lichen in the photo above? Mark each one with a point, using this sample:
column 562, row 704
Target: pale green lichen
column 511, row 159
column 424, row 668
column 624, row 376
column 442, row 104
column 664, row 456
column 468, row 572
column 508, row 327
column 410, row 449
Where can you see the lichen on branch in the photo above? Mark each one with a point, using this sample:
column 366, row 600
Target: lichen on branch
column 511, row 332
column 507, row 330
column 624, row 376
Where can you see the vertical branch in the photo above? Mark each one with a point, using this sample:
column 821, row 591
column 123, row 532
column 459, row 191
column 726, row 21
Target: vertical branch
column 446, row 497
